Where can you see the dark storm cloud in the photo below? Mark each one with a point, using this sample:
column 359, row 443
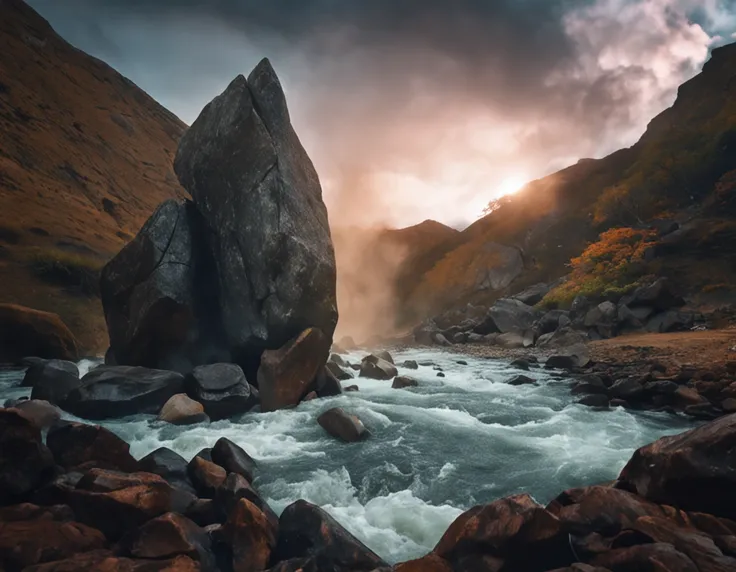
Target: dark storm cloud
column 411, row 108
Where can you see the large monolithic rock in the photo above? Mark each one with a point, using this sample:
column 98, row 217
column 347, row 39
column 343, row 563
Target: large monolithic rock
column 261, row 200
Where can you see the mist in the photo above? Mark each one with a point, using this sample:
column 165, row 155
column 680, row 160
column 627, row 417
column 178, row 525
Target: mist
column 419, row 109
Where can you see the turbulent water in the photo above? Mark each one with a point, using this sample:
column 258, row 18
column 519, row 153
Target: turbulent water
column 434, row 451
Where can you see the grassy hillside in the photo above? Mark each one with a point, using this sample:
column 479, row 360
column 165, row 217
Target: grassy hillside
column 682, row 170
column 85, row 157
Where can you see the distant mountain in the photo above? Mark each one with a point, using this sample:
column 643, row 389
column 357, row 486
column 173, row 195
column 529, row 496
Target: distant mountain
column 680, row 176
column 85, row 157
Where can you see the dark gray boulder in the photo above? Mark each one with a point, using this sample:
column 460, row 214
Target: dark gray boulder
column 233, row 458
column 507, row 315
column 534, row 294
column 659, row 295
column 117, row 391
column 550, row 321
column 52, row 380
column 268, row 230
column 338, row 372
column 222, row 389
column 157, row 295
column 170, row 465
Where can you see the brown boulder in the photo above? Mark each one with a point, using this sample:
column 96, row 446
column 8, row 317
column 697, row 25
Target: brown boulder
column 25, row 462
column 428, row 563
column 39, row 412
column 286, row 375
column 205, row 476
column 27, row 332
column 251, row 537
column 373, row 367
column 167, row 536
column 693, row 470
column 307, row 531
column 342, row 425
column 79, row 446
column 403, row 381
column 180, row 409
column 655, row 557
column 43, row 539
column 116, row 503
column 327, row 384
column 515, row 528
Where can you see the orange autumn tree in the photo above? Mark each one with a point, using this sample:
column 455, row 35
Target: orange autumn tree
column 612, row 266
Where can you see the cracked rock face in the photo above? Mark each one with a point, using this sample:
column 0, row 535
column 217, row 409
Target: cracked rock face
column 245, row 267
column 261, row 198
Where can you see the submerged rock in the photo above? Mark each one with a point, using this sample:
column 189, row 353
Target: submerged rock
column 242, row 161
column 403, row 381
column 342, row 425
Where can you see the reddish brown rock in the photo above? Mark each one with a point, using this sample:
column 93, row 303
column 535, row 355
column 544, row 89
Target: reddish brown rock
column 106, row 561
column 655, row 557
column 251, row 537
column 116, row 503
column 286, row 375
column 167, row 536
column 233, row 458
column 26, row 332
column 306, row 531
column 516, row 529
column 180, row 409
column 429, row 563
column 27, row 542
column 693, row 470
column 342, row 425
column 77, row 446
column 236, row 487
column 205, row 476
column 25, row 462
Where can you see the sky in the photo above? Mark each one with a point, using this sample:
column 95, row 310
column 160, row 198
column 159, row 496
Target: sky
column 419, row 109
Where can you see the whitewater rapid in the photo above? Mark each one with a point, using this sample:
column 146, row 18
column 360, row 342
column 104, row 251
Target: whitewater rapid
column 434, row 451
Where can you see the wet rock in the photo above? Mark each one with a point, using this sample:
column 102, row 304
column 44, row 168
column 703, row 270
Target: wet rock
column 591, row 384
column 168, row 536
column 233, row 458
column 234, row 488
column 327, row 385
column 205, row 476
column 118, row 391
column 692, row 471
column 627, row 388
column 52, row 380
column 77, row 446
column 170, row 465
column 342, row 425
column 286, row 375
column 594, row 400
column 27, row 332
column 516, row 529
column 351, row 388
column 657, row 557
column 251, row 537
column 242, row 161
column 520, row 364
column 203, row 512
column 222, row 389
column 148, row 293
column 181, row 410
column 374, row 367
column 24, row 543
column 402, row 381
column 307, row 531
column 337, row 371
column 41, row 413
column 25, row 462
column 440, row 374
column 522, row 380
column 104, row 561
column 410, row 364
column 116, row 503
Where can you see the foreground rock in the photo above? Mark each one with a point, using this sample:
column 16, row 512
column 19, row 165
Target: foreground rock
column 181, row 410
column 52, row 380
column 242, row 161
column 251, row 535
column 117, row 391
column 342, row 425
column 693, row 471
column 25, row 462
column 222, row 390
column 27, row 332
column 81, row 447
column 233, row 458
column 309, row 535
column 286, row 375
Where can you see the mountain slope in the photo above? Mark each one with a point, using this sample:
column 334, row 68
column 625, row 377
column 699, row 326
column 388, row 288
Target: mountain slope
column 679, row 171
column 85, row 157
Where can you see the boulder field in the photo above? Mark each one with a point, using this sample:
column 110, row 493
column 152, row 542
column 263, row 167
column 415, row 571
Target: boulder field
column 77, row 499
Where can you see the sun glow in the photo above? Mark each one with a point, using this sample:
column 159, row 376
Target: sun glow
column 511, row 185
